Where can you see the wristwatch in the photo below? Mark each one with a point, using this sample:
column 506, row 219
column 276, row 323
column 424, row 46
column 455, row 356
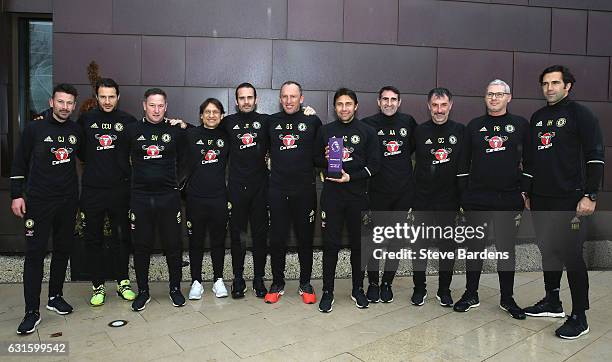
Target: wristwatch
column 592, row 196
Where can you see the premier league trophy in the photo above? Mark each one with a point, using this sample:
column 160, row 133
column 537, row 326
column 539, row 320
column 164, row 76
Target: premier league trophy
column 334, row 162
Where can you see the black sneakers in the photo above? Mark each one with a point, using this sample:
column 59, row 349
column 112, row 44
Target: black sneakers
column 546, row 308
column 467, row 302
column 177, row 298
column 512, row 308
column 418, row 296
column 29, row 322
column 141, row 300
column 238, row 287
column 59, row 305
column 445, row 299
column 327, row 301
column 573, row 327
column 358, row 296
column 259, row 288
column 386, row 293
column 373, row 294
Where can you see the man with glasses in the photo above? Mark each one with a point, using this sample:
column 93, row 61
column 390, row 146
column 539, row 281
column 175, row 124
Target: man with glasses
column 491, row 180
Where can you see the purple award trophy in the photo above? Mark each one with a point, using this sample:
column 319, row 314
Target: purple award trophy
column 334, row 162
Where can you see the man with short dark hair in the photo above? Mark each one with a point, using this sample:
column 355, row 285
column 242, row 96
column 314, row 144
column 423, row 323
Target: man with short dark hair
column 344, row 199
column 438, row 144
column 105, row 189
column 248, row 188
column 491, row 180
column 567, row 167
column 292, row 193
column 156, row 151
column 44, row 174
column 392, row 188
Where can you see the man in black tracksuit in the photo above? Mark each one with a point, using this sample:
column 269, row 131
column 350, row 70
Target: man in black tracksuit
column 491, row 181
column 207, row 207
column 105, row 189
column 392, row 188
column 344, row 199
column 567, row 167
column 156, row 150
column 44, row 174
column 248, row 188
column 293, row 196
column 438, row 147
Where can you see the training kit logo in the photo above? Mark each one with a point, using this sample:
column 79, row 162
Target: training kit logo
column 210, row 156
column 393, row 147
column 441, row 155
column 346, row 154
column 106, row 141
column 496, row 143
column 153, row 151
column 247, row 139
column 545, row 139
column 62, row 155
column 288, row 141
column 29, row 225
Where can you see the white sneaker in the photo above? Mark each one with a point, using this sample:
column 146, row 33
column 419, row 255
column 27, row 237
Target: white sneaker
column 219, row 289
column 196, row 291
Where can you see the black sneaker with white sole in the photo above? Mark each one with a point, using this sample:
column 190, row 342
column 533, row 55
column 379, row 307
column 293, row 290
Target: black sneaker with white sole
column 418, row 296
column 59, row 305
column 512, row 308
column 239, row 287
column 259, row 288
column 546, row 308
column 573, row 328
column 445, row 299
column 177, row 298
column 29, row 322
column 360, row 299
column 373, row 293
column 327, row 301
column 386, row 293
column 467, row 302
column 141, row 300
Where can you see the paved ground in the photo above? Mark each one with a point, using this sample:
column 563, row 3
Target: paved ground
column 226, row 329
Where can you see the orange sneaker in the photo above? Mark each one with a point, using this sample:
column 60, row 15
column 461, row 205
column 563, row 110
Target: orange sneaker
column 275, row 293
column 307, row 293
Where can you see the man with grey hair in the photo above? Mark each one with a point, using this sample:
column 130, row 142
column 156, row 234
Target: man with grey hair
column 492, row 187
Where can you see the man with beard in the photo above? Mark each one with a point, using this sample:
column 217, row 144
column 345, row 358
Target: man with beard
column 44, row 174
column 438, row 144
column 105, row 189
column 392, row 188
column 567, row 167
column 247, row 188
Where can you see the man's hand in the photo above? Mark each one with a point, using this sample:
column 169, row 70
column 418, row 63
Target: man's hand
column 174, row 122
column 327, row 153
column 18, row 207
column 309, row 111
column 344, row 178
column 585, row 207
column 526, row 201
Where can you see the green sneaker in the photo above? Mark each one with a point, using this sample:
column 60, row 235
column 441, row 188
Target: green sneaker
column 125, row 291
column 98, row 297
